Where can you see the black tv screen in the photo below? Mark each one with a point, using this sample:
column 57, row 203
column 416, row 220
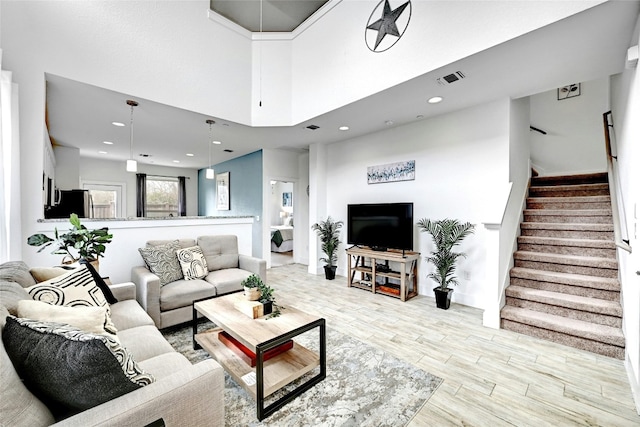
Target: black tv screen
column 381, row 226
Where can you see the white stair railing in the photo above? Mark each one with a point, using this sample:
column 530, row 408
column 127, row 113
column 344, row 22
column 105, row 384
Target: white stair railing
column 621, row 233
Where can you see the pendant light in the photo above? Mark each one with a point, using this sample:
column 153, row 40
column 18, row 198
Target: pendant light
column 210, row 174
column 132, row 165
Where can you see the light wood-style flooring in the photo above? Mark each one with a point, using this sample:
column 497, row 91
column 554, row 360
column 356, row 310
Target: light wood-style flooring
column 491, row 377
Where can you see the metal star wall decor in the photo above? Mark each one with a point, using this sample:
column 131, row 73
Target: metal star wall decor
column 389, row 24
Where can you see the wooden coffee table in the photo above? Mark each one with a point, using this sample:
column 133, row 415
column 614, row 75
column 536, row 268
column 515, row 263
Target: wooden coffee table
column 261, row 335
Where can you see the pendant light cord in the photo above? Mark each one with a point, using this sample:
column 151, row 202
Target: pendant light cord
column 260, row 53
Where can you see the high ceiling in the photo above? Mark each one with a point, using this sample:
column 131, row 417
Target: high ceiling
column 566, row 52
column 267, row 15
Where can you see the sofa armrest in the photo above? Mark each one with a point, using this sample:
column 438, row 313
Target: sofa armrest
column 123, row 291
column 253, row 265
column 147, row 292
column 190, row 397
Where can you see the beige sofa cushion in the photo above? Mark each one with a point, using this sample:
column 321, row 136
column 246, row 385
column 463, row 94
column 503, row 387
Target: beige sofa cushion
column 10, row 294
column 18, row 406
column 183, row 243
column 17, row 271
column 128, row 314
column 219, row 251
column 227, row 280
column 182, row 293
column 144, row 342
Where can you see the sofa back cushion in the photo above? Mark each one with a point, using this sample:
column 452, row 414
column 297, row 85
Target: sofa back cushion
column 18, row 406
column 183, row 243
column 219, row 251
column 10, row 294
column 16, row 271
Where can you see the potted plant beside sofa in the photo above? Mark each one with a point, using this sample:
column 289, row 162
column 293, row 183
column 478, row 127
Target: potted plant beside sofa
column 88, row 245
column 446, row 234
column 329, row 233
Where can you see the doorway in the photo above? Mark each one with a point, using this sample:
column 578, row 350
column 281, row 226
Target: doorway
column 281, row 218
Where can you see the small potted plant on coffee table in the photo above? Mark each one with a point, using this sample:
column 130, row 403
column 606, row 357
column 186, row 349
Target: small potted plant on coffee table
column 251, row 290
column 446, row 234
column 329, row 233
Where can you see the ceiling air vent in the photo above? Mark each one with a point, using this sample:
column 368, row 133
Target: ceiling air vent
column 313, row 127
column 451, row 78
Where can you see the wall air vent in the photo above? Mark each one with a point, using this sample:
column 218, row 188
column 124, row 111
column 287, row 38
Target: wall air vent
column 450, row 78
column 313, row 127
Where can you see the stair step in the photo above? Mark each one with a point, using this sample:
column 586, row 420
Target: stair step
column 557, row 245
column 580, row 202
column 590, row 266
column 591, row 178
column 568, row 230
column 595, row 310
column 599, row 339
column 569, row 190
column 568, row 283
column 577, row 216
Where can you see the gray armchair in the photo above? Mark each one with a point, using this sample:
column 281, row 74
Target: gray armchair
column 171, row 303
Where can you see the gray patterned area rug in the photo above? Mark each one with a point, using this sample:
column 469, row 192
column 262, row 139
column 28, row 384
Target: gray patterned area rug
column 364, row 386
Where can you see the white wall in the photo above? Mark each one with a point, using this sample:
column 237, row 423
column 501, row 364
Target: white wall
column 275, row 204
column 67, row 170
column 332, row 65
column 625, row 103
column 278, row 165
column 92, row 169
column 573, row 125
column 460, row 159
column 122, row 253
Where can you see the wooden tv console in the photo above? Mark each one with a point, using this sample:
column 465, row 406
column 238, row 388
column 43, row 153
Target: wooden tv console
column 375, row 277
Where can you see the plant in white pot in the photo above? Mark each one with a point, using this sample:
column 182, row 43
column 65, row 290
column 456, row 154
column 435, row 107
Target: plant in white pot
column 446, row 234
column 329, row 233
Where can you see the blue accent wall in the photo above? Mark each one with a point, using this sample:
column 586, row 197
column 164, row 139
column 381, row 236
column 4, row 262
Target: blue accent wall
column 245, row 185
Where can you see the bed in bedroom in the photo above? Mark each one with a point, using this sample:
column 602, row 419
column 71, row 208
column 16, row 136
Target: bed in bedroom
column 281, row 238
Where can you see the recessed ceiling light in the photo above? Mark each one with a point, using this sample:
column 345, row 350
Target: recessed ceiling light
column 176, row 161
column 189, row 154
column 102, row 152
column 435, row 100
column 107, row 142
column 216, row 142
column 119, row 124
column 344, row 128
column 388, row 122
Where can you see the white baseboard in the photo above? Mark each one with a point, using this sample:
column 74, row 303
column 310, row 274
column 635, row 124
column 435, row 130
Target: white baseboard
column 635, row 387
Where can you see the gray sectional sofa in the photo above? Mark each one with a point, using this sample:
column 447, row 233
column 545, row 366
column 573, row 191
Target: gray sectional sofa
column 169, row 302
column 181, row 394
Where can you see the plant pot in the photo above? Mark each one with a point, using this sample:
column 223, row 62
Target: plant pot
column 443, row 298
column 267, row 307
column 252, row 294
column 330, row 272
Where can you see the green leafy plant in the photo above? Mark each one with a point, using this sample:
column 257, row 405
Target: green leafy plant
column 266, row 293
column 86, row 244
column 329, row 233
column 446, row 234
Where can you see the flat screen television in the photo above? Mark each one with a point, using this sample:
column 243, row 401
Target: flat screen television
column 381, row 226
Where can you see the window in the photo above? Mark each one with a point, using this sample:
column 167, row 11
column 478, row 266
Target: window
column 106, row 198
column 162, row 196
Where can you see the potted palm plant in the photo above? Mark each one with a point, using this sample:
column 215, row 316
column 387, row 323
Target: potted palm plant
column 87, row 245
column 329, row 233
column 446, row 234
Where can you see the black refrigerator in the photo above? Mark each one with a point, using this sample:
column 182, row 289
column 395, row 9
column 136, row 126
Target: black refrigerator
column 71, row 201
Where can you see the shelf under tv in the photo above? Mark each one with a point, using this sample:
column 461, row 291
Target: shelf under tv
column 363, row 271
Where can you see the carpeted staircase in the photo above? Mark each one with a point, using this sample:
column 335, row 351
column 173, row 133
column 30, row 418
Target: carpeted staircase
column 564, row 285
